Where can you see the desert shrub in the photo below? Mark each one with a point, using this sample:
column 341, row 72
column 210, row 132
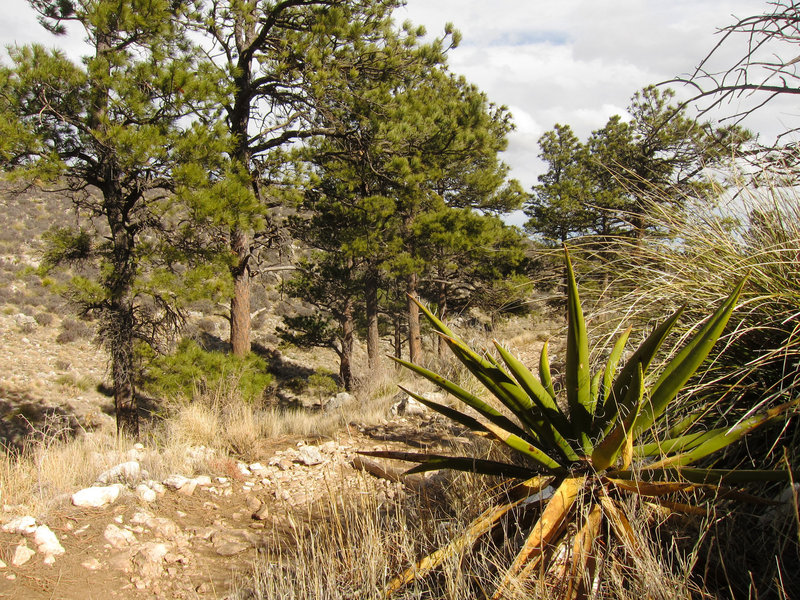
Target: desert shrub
column 191, row 369
column 73, row 329
column 323, row 383
column 44, row 318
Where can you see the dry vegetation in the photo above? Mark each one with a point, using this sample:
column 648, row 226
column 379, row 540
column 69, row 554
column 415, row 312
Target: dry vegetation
column 352, row 544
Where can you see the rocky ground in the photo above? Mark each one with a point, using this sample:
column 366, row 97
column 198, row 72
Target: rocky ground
column 182, row 537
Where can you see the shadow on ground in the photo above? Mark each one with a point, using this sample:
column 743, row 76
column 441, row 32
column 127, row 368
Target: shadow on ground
column 24, row 417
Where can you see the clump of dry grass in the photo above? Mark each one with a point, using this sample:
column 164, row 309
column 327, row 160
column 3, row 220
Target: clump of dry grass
column 707, row 246
column 357, row 544
column 219, row 418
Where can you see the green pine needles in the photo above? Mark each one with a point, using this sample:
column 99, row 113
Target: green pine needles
column 602, row 438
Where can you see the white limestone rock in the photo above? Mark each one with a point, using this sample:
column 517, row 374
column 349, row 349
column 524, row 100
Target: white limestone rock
column 46, row 542
column 310, row 455
column 97, row 496
column 128, row 472
column 146, row 493
column 22, row 554
column 175, row 481
column 23, row 525
column 119, row 538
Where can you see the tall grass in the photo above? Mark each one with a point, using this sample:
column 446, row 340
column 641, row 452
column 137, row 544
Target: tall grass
column 702, row 250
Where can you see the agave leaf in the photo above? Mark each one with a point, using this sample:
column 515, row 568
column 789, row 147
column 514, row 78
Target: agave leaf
column 643, row 356
column 451, row 413
column 467, row 398
column 544, row 372
column 724, row 438
column 668, row 507
column 495, row 379
column 613, row 361
column 606, row 452
column 677, row 444
column 435, row 462
column 620, row 523
column 650, row 488
column 505, row 389
column 550, row 523
column 594, row 394
column 578, row 377
column 517, row 443
column 553, row 418
column 706, row 476
column 435, row 321
column 685, row 363
column 477, row 528
column 686, row 422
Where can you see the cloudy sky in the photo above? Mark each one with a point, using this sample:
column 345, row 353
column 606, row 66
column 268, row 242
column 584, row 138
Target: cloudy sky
column 571, row 61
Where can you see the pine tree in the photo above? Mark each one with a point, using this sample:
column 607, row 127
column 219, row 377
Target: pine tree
column 110, row 132
column 275, row 61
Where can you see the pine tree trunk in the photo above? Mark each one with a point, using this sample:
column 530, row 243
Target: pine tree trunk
column 125, row 405
column 240, row 302
column 398, row 338
column 414, row 338
column 346, row 356
column 120, row 320
column 373, row 335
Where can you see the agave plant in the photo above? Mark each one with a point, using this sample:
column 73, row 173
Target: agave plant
column 605, row 439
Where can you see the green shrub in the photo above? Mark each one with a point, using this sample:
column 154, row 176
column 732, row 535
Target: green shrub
column 191, row 369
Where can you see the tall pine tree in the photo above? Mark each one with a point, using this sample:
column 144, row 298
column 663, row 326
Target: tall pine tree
column 110, row 132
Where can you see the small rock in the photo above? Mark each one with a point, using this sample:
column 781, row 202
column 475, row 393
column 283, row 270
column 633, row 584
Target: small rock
column 127, row 472
column 243, row 469
column 117, row 537
column 176, row 482
column 22, row 554
column 203, row 480
column 188, row 488
column 23, row 525
column 156, row 486
column 2, row 565
column 261, row 513
column 336, row 402
column 231, row 548
column 257, row 468
column 145, row 493
column 91, row 564
column 203, row 588
column 96, row 497
column 46, row 541
column 310, row 455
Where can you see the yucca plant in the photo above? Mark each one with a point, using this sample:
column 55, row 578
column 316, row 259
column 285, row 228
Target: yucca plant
column 606, row 438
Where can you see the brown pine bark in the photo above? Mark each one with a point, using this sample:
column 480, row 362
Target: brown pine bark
column 346, row 355
column 240, row 302
column 372, row 308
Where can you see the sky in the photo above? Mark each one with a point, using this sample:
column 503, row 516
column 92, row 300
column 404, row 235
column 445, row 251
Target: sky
column 574, row 62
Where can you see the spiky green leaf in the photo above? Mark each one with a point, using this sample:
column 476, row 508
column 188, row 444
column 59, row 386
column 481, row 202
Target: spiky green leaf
column 685, row 363
column 578, row 377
